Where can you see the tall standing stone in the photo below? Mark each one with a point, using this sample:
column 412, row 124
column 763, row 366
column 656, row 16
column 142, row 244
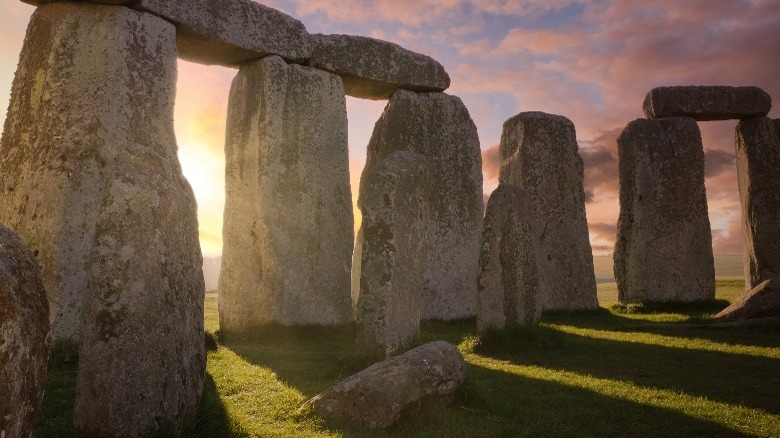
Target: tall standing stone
column 439, row 127
column 288, row 228
column 390, row 253
column 758, row 164
column 663, row 250
column 539, row 155
column 91, row 178
column 509, row 280
column 24, row 336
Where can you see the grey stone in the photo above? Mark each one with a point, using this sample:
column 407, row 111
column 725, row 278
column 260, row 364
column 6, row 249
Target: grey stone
column 663, row 250
column 376, row 396
column 539, row 154
column 763, row 301
column 374, row 69
column 24, row 336
column 225, row 32
column 390, row 253
column 91, row 178
column 288, row 228
column 758, row 163
column 439, row 127
column 707, row 102
column 508, row 293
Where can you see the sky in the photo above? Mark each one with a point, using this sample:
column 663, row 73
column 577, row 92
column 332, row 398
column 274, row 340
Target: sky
column 592, row 61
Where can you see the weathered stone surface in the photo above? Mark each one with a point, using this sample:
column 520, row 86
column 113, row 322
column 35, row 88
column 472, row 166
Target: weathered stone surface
column 24, row 336
column 91, row 179
column 707, row 102
column 374, row 69
column 663, row 250
column 758, row 164
column 539, row 154
column 763, row 301
column 508, row 293
column 376, row 396
column 225, row 32
column 388, row 272
column 288, row 228
column 439, row 127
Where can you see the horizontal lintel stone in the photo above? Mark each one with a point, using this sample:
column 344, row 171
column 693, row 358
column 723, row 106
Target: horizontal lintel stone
column 225, row 32
column 374, row 69
column 717, row 102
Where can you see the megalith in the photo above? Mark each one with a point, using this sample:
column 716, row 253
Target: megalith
column 663, row 250
column 378, row 396
column 439, row 127
column 24, row 336
column 758, row 163
column 763, row 301
column 539, row 155
column 91, row 178
column 288, row 227
column 390, row 253
column 707, row 102
column 374, row 69
column 508, row 291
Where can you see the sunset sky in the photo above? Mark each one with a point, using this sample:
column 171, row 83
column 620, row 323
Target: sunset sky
column 591, row 61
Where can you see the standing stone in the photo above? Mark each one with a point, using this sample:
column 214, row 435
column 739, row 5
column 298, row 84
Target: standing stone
column 758, row 164
column 508, row 293
column 439, row 127
column 288, row 229
column 663, row 250
column 539, row 155
column 24, row 336
column 390, row 253
column 225, row 32
column 374, row 69
column 91, row 178
column 707, row 102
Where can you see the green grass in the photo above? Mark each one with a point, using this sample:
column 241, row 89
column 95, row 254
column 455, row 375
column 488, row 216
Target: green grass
column 612, row 372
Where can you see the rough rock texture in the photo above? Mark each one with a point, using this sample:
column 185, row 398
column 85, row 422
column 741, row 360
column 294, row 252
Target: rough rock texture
column 508, row 293
column 91, row 179
column 758, row 164
column 225, row 32
column 439, row 127
column 763, row 301
column 376, row 396
column 24, row 336
column 707, row 102
column 389, row 266
column 374, row 69
column 539, row 154
column 663, row 250
column 288, row 228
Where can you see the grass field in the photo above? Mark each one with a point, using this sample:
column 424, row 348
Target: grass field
column 606, row 373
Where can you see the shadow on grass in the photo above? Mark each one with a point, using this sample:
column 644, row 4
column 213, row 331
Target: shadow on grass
column 213, row 419
column 736, row 379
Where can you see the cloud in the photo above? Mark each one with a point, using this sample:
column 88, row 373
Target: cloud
column 717, row 162
column 599, row 157
column 729, row 241
column 491, row 162
column 603, row 230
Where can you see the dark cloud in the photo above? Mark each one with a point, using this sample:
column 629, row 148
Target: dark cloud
column 603, row 230
column 717, row 162
column 599, row 157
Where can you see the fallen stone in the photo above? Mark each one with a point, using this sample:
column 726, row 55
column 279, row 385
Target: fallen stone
column 374, row 69
column 439, row 127
column 663, row 250
column 758, row 161
column 225, row 32
column 508, row 292
column 539, row 155
column 24, row 336
column 90, row 176
column 389, row 272
column 288, row 227
column 376, row 396
column 707, row 102
column 763, row 301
